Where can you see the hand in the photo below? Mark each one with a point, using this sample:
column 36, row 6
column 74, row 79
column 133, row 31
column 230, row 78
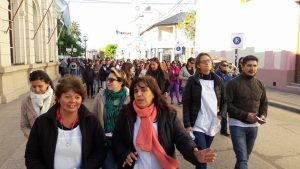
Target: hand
column 261, row 119
column 188, row 129
column 251, row 118
column 129, row 160
column 205, row 156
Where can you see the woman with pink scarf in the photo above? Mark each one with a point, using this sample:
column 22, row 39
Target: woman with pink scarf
column 148, row 129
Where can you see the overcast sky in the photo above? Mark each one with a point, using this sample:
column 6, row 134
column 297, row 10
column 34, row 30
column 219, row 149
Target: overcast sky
column 99, row 21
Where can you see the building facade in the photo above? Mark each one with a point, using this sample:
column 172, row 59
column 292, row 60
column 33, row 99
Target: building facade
column 268, row 33
column 27, row 42
column 166, row 41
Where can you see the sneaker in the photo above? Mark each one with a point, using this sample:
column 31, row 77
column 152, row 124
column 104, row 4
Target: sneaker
column 225, row 134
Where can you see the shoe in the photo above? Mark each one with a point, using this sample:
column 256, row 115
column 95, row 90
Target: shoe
column 225, row 134
column 171, row 102
column 179, row 103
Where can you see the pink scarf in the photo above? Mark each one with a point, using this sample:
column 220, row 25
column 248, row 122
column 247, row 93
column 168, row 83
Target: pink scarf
column 147, row 140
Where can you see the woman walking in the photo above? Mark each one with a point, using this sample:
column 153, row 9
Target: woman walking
column 68, row 135
column 204, row 103
column 40, row 99
column 148, row 130
column 107, row 105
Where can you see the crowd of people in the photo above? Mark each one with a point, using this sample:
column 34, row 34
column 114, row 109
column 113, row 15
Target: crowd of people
column 132, row 122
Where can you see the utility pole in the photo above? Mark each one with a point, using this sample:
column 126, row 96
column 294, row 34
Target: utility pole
column 85, row 38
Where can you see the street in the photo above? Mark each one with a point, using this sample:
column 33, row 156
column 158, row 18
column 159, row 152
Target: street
column 277, row 145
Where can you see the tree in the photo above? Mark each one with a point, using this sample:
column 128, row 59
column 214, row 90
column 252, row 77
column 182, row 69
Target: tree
column 110, row 50
column 188, row 24
column 68, row 39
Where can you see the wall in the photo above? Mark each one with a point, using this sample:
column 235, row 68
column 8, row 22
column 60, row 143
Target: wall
column 14, row 73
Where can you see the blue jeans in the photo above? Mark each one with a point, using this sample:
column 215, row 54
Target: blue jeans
column 243, row 139
column 203, row 141
column 110, row 162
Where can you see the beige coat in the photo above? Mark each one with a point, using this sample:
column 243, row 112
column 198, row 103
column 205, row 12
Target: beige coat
column 99, row 102
column 28, row 115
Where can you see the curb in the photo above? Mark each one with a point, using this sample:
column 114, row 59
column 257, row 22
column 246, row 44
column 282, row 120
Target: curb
column 284, row 106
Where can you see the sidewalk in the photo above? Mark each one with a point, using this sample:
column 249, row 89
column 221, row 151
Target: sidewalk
column 12, row 141
column 284, row 100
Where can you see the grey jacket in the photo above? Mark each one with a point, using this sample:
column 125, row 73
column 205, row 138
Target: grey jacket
column 184, row 75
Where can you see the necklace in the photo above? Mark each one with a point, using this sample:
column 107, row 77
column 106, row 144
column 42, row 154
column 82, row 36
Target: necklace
column 67, row 139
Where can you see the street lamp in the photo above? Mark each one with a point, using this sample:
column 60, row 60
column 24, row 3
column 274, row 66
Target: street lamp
column 85, row 38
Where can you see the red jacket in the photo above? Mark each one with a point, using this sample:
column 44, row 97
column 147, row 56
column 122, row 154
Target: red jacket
column 174, row 74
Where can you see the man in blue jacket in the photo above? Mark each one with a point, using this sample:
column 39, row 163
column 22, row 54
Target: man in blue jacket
column 223, row 73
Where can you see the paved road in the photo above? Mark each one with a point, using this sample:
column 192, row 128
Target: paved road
column 277, row 146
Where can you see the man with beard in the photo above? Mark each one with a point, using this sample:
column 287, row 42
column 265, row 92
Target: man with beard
column 247, row 109
column 223, row 73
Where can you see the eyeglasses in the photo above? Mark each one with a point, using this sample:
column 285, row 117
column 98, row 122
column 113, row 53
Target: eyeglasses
column 224, row 65
column 111, row 80
column 205, row 61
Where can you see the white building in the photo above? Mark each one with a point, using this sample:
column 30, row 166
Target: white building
column 270, row 31
column 27, row 42
column 161, row 40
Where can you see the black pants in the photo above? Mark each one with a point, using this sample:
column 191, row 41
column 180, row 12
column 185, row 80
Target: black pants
column 89, row 89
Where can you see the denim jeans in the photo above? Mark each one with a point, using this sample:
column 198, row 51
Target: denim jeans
column 203, row 141
column 243, row 139
column 110, row 162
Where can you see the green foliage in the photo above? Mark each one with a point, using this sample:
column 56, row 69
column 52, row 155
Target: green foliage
column 188, row 24
column 110, row 51
column 67, row 39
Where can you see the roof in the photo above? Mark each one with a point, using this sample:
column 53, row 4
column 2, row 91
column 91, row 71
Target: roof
column 173, row 20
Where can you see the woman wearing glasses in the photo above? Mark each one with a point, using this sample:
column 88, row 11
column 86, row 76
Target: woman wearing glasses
column 107, row 105
column 204, row 103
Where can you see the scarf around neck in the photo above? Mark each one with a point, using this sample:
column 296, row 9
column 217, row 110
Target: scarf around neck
column 112, row 112
column 41, row 102
column 147, row 139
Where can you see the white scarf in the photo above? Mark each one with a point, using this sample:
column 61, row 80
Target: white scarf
column 41, row 102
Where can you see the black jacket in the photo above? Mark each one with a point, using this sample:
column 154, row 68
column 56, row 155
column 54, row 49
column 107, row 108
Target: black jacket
column 88, row 75
column 40, row 148
column 161, row 79
column 170, row 133
column 246, row 95
column 192, row 98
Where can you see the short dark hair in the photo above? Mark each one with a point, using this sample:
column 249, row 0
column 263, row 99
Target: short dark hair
column 70, row 83
column 191, row 59
column 42, row 76
column 222, row 62
column 248, row 58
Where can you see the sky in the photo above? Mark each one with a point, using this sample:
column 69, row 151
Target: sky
column 99, row 21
